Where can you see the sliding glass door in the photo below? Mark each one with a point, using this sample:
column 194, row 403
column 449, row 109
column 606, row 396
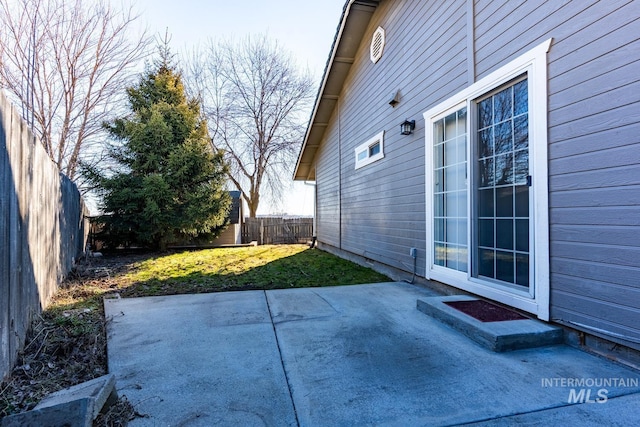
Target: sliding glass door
column 487, row 188
column 481, row 225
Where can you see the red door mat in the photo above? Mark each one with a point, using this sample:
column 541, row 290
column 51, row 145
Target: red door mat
column 485, row 311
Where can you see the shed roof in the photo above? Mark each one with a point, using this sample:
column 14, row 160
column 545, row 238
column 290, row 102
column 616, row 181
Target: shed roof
column 353, row 24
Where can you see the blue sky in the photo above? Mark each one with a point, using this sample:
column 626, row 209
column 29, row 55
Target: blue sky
column 305, row 29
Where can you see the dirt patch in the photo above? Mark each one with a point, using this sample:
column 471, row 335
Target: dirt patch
column 67, row 344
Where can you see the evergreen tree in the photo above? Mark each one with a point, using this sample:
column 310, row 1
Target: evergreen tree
column 170, row 182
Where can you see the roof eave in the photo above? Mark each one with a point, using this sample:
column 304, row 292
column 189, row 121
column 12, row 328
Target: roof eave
column 354, row 21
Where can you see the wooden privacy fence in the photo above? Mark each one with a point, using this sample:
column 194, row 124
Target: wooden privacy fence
column 42, row 229
column 273, row 231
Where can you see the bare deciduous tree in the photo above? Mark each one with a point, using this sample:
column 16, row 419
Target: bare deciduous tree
column 66, row 63
column 257, row 102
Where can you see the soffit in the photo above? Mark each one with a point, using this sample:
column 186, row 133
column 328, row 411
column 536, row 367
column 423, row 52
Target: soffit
column 353, row 24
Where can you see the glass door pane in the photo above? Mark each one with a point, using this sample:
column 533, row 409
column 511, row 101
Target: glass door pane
column 450, row 247
column 501, row 226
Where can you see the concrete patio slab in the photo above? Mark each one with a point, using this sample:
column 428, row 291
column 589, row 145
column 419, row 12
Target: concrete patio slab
column 617, row 412
column 349, row 355
column 208, row 359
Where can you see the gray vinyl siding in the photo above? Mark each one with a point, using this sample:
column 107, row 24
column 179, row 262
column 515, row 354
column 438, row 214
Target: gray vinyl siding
column 383, row 204
column 594, row 151
column 328, row 188
column 594, row 173
column 593, row 134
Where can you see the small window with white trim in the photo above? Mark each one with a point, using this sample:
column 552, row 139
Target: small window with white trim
column 370, row 151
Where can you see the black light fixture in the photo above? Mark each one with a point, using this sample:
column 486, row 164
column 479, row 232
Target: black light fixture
column 407, row 127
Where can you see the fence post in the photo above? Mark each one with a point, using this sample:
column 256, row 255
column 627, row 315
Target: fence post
column 262, row 232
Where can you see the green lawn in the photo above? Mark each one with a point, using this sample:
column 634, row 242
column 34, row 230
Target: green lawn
column 209, row 270
column 226, row 269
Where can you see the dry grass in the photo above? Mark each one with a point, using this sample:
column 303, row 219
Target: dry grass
column 66, row 344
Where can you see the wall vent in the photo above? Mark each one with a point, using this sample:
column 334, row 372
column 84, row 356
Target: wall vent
column 377, row 44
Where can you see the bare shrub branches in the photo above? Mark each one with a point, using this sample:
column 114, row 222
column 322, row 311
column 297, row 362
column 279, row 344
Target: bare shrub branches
column 66, row 64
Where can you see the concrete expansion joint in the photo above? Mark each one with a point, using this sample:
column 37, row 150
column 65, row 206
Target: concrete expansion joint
column 284, row 370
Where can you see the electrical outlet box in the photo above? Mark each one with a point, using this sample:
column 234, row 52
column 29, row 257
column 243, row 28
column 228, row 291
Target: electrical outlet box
column 413, row 252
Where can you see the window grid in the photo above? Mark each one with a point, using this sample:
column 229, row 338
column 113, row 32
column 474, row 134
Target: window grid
column 450, row 191
column 503, row 193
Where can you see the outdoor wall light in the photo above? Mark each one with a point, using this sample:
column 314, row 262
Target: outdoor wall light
column 407, row 127
column 395, row 98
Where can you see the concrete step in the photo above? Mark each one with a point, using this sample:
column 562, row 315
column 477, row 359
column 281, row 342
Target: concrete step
column 75, row 406
column 496, row 336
